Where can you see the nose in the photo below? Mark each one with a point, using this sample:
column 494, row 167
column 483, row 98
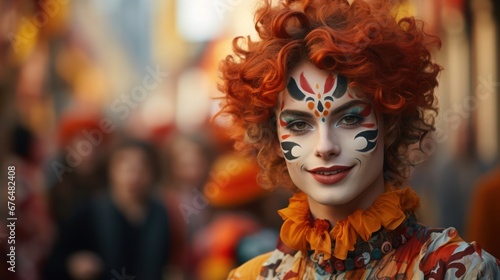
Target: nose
column 327, row 145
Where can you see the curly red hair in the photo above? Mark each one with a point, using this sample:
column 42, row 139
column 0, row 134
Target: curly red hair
column 389, row 60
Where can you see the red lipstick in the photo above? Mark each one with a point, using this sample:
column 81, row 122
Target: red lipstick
column 330, row 175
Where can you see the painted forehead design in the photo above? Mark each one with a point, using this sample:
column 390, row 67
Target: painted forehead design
column 318, row 100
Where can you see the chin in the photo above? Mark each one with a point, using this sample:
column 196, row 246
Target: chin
column 333, row 201
column 330, row 198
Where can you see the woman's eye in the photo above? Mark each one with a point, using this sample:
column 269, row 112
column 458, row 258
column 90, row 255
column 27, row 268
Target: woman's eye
column 351, row 121
column 299, row 126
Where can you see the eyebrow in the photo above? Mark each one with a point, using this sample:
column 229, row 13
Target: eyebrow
column 296, row 113
column 348, row 105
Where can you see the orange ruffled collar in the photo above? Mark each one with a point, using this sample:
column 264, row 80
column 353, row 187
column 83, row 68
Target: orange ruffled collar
column 301, row 233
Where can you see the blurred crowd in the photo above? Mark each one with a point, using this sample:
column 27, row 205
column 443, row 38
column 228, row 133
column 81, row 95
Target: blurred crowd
column 179, row 206
column 116, row 180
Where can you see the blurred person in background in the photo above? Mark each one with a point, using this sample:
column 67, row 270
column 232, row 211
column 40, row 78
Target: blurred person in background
column 188, row 158
column 483, row 221
column 332, row 99
column 124, row 233
column 77, row 172
column 34, row 230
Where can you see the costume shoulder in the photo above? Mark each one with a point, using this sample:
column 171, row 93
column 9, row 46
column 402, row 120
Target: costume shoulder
column 447, row 256
column 250, row 269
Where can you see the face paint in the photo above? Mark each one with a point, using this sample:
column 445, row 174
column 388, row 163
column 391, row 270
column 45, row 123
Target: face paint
column 371, row 142
column 287, row 150
column 335, row 156
column 318, row 101
column 369, row 135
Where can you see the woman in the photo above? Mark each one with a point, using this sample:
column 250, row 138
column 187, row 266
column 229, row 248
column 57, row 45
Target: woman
column 333, row 99
column 124, row 233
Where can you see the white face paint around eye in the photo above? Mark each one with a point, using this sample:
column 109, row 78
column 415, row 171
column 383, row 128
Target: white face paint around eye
column 330, row 138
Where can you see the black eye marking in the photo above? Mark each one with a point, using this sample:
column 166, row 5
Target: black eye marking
column 369, row 136
column 287, row 149
column 341, row 88
column 294, row 90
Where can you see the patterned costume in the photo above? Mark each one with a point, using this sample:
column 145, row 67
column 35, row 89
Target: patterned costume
column 382, row 242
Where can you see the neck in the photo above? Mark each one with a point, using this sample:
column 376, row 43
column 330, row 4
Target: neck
column 132, row 208
column 335, row 213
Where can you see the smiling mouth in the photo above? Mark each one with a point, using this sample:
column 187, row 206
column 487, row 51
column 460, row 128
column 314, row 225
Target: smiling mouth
column 330, row 175
column 330, row 172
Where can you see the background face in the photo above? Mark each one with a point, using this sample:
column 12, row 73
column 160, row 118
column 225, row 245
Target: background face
column 330, row 138
column 131, row 174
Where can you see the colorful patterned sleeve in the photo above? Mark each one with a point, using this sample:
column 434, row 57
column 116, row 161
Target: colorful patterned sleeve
column 447, row 256
column 249, row 270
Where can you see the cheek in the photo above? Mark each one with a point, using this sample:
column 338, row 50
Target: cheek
column 372, row 161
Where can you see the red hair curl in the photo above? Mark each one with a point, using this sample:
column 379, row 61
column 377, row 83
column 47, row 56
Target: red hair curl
column 388, row 60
